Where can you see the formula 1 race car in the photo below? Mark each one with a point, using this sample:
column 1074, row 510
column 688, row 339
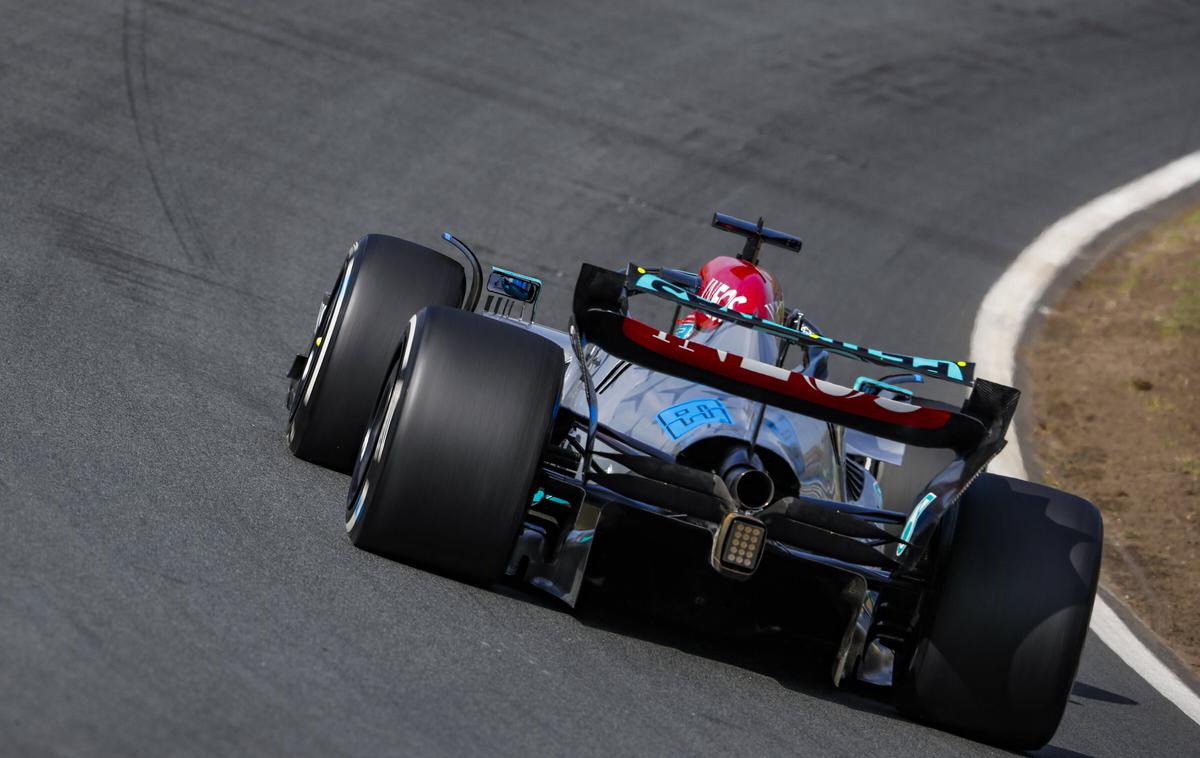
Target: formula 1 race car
column 482, row 445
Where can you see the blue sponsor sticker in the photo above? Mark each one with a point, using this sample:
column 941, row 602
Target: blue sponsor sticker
column 678, row 420
column 684, row 330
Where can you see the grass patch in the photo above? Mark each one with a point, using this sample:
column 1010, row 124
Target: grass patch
column 1128, row 283
column 1184, row 314
column 1190, row 465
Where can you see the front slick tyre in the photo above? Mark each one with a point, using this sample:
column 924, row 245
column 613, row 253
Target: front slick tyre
column 1002, row 631
column 445, row 471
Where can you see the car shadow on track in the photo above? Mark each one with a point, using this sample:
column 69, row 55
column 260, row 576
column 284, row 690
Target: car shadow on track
column 801, row 666
column 1087, row 691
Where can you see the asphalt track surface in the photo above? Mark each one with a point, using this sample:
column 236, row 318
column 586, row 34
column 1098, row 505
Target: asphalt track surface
column 178, row 182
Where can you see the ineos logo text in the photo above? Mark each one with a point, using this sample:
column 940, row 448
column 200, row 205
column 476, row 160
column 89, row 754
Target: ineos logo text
column 722, row 294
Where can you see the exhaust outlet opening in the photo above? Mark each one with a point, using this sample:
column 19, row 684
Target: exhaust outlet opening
column 752, row 487
column 748, row 482
column 727, row 457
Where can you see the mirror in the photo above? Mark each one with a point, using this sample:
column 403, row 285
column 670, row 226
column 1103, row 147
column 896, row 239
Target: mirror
column 523, row 289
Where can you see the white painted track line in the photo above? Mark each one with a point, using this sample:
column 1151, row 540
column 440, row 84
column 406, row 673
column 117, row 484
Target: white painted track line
column 1000, row 324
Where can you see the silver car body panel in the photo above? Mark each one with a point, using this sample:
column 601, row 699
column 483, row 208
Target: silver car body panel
column 631, row 399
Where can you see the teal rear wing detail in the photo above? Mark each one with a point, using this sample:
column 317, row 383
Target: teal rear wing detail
column 640, row 279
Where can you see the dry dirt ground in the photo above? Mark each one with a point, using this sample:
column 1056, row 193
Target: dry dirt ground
column 1116, row 400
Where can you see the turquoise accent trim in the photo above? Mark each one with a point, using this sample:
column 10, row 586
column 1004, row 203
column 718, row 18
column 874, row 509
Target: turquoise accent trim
column 911, row 524
column 885, row 356
column 541, row 495
column 863, row 381
column 950, row 367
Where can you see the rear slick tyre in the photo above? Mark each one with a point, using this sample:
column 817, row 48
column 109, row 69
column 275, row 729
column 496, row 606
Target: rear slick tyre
column 446, row 469
column 384, row 281
column 1002, row 631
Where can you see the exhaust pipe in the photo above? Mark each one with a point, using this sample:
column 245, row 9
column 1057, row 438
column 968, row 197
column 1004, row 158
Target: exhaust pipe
column 749, row 484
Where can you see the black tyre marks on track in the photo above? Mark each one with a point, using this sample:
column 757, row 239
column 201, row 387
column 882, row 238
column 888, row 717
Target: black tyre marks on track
column 138, row 92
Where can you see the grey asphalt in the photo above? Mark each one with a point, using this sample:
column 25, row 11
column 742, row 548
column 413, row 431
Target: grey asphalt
column 179, row 180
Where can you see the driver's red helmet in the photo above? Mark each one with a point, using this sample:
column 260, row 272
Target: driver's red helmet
column 736, row 284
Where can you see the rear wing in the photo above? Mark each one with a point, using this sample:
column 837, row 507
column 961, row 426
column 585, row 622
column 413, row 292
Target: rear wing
column 639, row 279
column 601, row 316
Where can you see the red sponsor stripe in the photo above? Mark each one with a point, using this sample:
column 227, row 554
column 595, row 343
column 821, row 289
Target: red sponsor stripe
column 790, row 383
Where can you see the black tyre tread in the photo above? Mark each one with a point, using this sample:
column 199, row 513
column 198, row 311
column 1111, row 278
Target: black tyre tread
column 477, row 398
column 1011, row 605
column 390, row 281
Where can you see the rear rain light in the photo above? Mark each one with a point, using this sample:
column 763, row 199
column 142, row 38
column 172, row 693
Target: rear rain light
column 738, row 545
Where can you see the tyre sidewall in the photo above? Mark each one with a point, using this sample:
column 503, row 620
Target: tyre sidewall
column 449, row 489
column 386, row 280
column 1003, row 626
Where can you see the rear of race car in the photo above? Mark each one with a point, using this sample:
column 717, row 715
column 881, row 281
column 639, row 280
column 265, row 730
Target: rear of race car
column 501, row 447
